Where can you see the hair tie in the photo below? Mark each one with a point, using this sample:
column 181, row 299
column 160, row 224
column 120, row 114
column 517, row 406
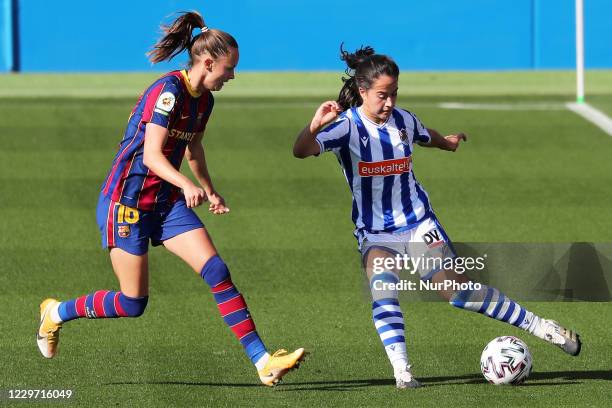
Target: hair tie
column 204, row 29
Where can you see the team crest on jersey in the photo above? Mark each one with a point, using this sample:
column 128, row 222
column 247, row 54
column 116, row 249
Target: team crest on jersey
column 123, row 231
column 403, row 134
column 433, row 238
column 165, row 102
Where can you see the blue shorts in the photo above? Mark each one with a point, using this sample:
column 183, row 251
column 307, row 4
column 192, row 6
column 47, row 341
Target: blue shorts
column 131, row 229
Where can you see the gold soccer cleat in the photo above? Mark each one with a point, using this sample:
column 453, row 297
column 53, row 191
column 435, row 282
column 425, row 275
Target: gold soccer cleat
column 279, row 364
column 48, row 331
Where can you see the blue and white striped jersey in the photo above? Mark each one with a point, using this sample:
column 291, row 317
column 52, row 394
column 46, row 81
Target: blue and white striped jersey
column 377, row 163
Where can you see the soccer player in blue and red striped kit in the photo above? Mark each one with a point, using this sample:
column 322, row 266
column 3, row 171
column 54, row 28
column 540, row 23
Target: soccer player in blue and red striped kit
column 146, row 198
column 373, row 141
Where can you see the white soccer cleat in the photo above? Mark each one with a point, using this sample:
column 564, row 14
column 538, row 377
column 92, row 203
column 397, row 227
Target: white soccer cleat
column 404, row 379
column 566, row 340
column 47, row 336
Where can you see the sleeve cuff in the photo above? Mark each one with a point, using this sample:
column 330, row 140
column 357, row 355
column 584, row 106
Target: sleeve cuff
column 322, row 149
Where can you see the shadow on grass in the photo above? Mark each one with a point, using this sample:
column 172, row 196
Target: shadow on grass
column 190, row 383
column 567, row 377
column 550, row 378
column 535, row 379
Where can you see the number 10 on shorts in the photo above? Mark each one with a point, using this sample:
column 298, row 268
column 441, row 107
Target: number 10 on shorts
column 127, row 214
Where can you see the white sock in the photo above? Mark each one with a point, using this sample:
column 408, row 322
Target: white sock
column 536, row 327
column 389, row 320
column 55, row 317
column 397, row 356
column 261, row 363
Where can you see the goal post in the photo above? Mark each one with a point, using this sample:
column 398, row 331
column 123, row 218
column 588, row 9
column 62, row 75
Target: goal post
column 579, row 51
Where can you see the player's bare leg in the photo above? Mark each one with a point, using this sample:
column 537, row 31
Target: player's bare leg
column 196, row 248
column 492, row 303
column 388, row 317
column 448, row 275
column 132, row 272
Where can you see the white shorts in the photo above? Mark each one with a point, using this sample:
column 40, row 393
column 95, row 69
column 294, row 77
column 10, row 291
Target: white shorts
column 427, row 241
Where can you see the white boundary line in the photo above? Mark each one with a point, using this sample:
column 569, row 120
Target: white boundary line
column 593, row 115
column 588, row 112
column 503, row 106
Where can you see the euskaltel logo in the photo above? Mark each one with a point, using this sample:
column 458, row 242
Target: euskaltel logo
column 384, row 167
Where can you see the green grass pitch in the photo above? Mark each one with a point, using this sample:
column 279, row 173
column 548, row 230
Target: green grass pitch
column 524, row 176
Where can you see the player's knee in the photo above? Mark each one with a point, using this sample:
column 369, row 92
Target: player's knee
column 134, row 307
column 215, row 271
column 383, row 286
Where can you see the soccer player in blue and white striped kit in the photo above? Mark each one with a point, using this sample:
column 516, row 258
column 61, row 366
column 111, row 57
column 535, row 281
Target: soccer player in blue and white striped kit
column 373, row 141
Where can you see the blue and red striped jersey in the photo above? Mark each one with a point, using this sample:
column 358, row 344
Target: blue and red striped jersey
column 169, row 102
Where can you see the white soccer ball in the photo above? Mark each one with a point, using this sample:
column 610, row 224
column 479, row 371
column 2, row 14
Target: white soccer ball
column 506, row 361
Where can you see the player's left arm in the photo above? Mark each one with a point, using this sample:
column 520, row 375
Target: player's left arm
column 450, row 142
column 196, row 158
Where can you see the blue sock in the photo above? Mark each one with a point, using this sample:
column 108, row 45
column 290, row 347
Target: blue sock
column 233, row 307
column 102, row 304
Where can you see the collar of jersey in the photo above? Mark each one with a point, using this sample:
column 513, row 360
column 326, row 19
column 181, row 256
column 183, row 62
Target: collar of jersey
column 192, row 91
column 365, row 117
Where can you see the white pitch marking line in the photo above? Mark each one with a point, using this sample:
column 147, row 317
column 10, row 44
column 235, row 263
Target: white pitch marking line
column 502, row 106
column 593, row 115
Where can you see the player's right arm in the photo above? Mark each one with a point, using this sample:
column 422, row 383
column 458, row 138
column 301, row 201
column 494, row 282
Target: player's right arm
column 154, row 159
column 306, row 144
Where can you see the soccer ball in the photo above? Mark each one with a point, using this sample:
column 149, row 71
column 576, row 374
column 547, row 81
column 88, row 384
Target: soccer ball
column 506, row 361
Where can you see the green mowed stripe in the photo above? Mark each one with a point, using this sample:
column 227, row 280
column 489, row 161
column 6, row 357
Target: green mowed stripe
column 308, row 192
column 523, row 176
column 290, row 84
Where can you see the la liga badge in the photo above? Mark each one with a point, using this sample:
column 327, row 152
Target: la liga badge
column 166, row 101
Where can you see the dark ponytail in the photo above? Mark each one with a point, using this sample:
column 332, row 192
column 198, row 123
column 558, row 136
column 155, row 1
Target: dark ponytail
column 178, row 37
column 364, row 66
